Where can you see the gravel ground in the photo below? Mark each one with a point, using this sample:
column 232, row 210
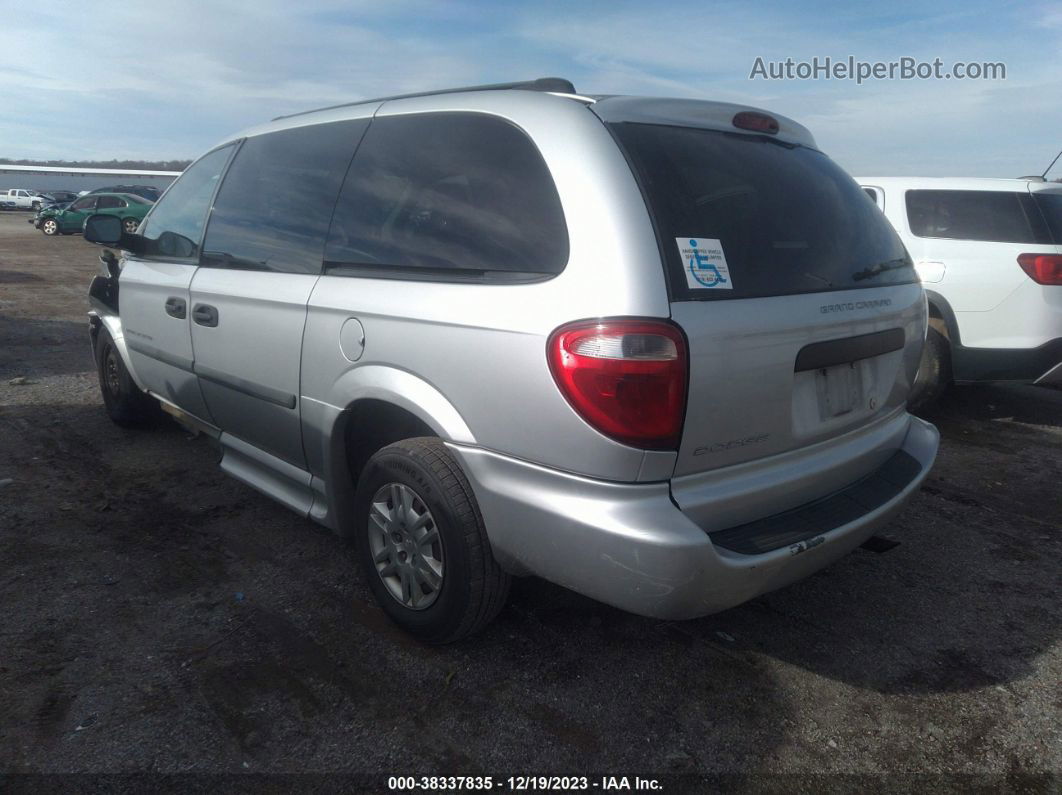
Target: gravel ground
column 159, row 617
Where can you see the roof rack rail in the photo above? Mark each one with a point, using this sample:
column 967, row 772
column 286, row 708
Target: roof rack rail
column 556, row 84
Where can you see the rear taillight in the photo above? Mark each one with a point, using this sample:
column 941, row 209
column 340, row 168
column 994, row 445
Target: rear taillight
column 1042, row 268
column 627, row 378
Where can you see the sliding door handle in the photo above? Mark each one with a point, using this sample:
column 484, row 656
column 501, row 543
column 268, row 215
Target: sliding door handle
column 205, row 315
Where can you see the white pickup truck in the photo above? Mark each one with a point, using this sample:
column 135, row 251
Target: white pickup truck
column 23, row 199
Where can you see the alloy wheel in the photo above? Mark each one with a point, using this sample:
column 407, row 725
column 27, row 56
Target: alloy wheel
column 406, row 546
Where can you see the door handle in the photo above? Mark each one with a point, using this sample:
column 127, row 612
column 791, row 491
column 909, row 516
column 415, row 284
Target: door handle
column 176, row 307
column 205, row 315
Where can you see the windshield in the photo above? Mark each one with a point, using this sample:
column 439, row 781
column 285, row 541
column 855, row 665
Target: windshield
column 742, row 216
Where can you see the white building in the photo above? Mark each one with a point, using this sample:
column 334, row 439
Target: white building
column 46, row 178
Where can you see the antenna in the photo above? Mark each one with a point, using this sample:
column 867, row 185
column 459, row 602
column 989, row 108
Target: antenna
column 1044, row 175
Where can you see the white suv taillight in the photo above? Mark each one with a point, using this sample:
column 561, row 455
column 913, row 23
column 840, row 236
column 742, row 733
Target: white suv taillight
column 1042, row 268
column 626, row 378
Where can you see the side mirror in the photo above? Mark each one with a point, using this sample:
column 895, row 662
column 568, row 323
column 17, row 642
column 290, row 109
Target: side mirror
column 103, row 229
column 106, row 230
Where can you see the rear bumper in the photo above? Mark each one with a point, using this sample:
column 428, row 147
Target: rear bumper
column 1040, row 365
column 630, row 546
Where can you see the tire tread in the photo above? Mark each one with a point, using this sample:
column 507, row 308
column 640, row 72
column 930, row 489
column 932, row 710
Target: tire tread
column 489, row 586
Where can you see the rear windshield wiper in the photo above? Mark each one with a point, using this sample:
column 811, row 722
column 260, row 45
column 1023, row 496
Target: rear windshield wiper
column 881, row 267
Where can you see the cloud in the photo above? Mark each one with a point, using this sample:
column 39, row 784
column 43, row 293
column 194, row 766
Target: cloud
column 169, row 79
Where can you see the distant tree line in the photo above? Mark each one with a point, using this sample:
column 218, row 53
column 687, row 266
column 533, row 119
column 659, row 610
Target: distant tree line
column 147, row 165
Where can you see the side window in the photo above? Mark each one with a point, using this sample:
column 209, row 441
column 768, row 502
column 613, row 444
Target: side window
column 447, row 195
column 109, row 203
column 996, row 216
column 273, row 209
column 175, row 225
column 84, row 205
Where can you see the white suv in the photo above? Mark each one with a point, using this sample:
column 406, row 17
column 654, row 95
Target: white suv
column 989, row 252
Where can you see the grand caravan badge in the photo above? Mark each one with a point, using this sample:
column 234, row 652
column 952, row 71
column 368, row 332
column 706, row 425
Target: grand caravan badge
column 851, row 306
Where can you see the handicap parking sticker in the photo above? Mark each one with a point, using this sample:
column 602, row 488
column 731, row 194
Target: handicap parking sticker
column 704, row 263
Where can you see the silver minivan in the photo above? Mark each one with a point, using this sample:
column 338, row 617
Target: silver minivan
column 654, row 350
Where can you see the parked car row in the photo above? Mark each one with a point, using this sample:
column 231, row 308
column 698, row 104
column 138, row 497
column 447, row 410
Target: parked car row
column 26, row 199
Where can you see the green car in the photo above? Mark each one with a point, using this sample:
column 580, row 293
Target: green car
column 70, row 218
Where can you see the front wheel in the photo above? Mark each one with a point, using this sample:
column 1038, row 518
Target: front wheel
column 129, row 226
column 50, row 226
column 36, row 207
column 421, row 543
column 126, row 405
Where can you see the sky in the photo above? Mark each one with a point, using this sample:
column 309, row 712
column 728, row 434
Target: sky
column 161, row 80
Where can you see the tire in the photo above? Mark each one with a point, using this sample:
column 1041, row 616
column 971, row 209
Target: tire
column 934, row 373
column 36, row 207
column 469, row 587
column 126, row 405
column 130, row 225
column 50, row 227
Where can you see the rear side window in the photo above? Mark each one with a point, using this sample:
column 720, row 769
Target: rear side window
column 175, row 225
column 1050, row 205
column 448, row 196
column 991, row 216
column 273, row 209
column 784, row 219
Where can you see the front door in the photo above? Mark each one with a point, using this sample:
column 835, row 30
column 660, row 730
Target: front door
column 155, row 303
column 72, row 219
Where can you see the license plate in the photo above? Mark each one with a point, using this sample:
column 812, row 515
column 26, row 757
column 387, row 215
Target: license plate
column 839, row 389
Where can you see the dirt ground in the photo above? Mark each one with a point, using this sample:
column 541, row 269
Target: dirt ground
column 159, row 617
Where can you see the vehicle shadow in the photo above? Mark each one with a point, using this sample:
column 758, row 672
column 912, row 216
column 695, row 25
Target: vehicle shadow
column 1027, row 404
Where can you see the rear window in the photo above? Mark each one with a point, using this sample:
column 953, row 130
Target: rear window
column 1050, row 205
column 983, row 215
column 775, row 218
